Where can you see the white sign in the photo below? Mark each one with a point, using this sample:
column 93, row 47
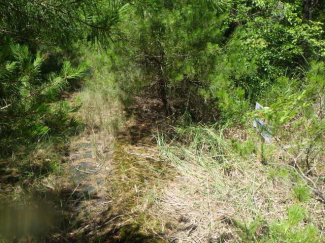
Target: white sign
column 261, row 126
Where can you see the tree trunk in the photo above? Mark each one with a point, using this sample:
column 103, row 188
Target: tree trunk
column 162, row 84
column 161, row 79
column 163, row 95
column 308, row 8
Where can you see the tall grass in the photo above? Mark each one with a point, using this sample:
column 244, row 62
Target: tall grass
column 101, row 111
column 226, row 193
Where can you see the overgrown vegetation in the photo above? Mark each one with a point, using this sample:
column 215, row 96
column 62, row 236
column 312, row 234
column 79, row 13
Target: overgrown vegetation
column 39, row 62
column 232, row 193
column 203, row 64
column 209, row 62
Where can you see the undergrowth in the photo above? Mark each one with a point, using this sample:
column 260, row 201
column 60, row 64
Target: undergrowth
column 229, row 195
column 34, row 174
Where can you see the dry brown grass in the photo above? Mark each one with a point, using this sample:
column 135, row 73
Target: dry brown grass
column 209, row 194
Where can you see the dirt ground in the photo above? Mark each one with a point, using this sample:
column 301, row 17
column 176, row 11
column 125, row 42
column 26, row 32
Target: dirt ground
column 108, row 186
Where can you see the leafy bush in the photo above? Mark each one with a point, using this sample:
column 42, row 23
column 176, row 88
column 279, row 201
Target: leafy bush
column 29, row 107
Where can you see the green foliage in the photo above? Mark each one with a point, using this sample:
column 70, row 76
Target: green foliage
column 28, row 108
column 202, row 139
column 293, row 229
column 214, row 56
column 58, row 22
column 288, row 230
column 38, row 63
column 175, row 45
column 271, row 42
column 251, row 232
column 278, row 172
column 297, row 114
column 244, row 148
column 208, row 61
column 301, row 193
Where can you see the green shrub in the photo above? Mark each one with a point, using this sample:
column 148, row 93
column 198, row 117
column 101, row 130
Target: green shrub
column 287, row 230
column 293, row 229
column 301, row 193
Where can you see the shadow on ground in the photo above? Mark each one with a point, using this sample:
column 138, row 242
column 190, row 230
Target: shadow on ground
column 92, row 203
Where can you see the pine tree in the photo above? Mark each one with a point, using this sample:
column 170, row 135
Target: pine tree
column 36, row 42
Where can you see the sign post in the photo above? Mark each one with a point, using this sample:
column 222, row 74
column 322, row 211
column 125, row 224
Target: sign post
column 264, row 131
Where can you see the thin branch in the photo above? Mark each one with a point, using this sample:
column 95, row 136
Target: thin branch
column 305, row 178
column 5, row 107
column 8, row 32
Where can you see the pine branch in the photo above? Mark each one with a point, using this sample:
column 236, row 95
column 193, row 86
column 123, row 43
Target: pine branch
column 5, row 107
column 68, row 3
column 69, row 15
column 31, row 95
